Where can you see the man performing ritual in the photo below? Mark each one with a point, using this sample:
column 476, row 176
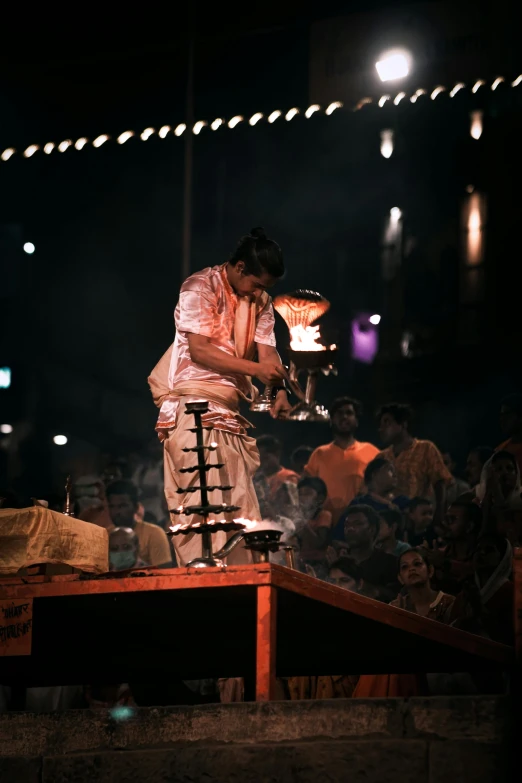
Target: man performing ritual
column 223, row 318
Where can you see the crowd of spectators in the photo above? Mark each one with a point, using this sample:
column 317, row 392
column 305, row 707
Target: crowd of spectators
column 393, row 521
column 397, row 523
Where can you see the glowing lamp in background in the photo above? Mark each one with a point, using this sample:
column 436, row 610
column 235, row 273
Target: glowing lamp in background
column 475, row 128
column 299, row 310
column 386, row 143
column 5, row 377
column 60, row 440
column 29, row 248
column 6, row 429
column 393, row 65
column 365, row 337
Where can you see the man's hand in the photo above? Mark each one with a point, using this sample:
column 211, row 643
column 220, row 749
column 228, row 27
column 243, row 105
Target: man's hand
column 281, row 407
column 270, row 372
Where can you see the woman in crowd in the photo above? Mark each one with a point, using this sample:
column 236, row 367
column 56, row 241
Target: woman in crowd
column 415, row 574
column 499, row 494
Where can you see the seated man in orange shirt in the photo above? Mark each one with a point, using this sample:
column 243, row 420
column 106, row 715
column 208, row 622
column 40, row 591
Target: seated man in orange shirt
column 341, row 463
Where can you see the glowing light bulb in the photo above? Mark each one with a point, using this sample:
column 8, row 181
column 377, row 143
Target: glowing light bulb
column 6, row 429
column 311, row 110
column 64, row 145
column 29, row 152
column 457, row 87
column 125, row 136
column 476, row 128
column 147, row 133
column 497, row 81
column 437, row 91
column 6, row 154
column 100, row 140
column 29, row 248
column 291, row 113
column 386, row 143
column 235, row 121
column 49, row 147
column 382, row 100
column 198, row 127
column 79, row 144
column 417, row 95
column 217, row 123
column 478, row 84
column 180, row 129
column 375, row 319
column 273, row 116
column 60, row 440
column 393, row 65
column 163, row 131
column 395, row 213
column 332, row 107
column 398, row 98
column 254, row 119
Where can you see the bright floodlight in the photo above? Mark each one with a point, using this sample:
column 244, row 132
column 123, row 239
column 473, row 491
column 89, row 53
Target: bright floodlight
column 395, row 213
column 6, row 429
column 60, row 440
column 29, row 248
column 5, row 377
column 375, row 319
column 393, row 65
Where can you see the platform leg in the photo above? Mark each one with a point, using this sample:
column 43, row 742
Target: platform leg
column 266, row 643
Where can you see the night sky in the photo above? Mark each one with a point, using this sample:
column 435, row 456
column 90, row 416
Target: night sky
column 91, row 312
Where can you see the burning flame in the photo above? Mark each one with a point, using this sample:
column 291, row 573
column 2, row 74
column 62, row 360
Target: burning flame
column 305, row 338
column 246, row 523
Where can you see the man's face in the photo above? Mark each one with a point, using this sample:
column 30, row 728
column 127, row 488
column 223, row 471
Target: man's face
column 456, row 524
column 386, row 478
column 413, row 571
column 122, row 541
column 389, row 429
column 269, row 462
column 344, row 420
column 509, row 421
column 309, row 501
column 122, row 510
column 422, row 516
column 487, row 556
column 357, row 530
column 385, row 532
column 473, row 468
column 341, row 579
column 245, row 284
column 506, row 473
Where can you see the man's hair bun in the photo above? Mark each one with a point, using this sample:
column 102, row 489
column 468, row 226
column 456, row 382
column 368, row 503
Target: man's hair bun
column 258, row 233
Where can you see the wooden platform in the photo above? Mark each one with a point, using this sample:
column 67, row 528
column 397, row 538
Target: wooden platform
column 255, row 621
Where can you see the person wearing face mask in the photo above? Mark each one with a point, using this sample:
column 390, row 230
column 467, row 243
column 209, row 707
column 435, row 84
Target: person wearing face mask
column 124, row 548
column 224, row 319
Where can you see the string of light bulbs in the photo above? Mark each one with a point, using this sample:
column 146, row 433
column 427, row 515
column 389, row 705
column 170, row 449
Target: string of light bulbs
column 220, row 122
